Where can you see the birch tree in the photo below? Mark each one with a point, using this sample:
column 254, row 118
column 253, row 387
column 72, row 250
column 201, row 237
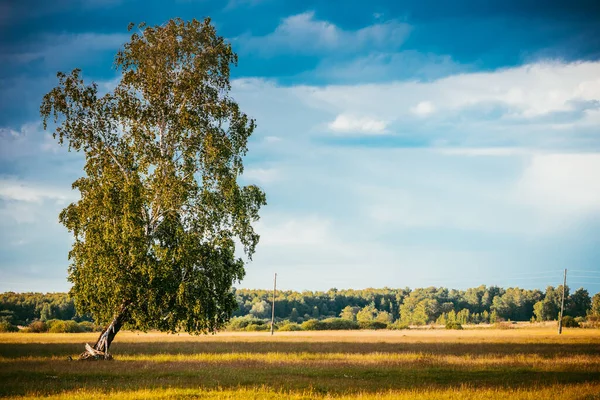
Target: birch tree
column 161, row 209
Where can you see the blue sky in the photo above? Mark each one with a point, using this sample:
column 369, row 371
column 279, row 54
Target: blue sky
column 409, row 143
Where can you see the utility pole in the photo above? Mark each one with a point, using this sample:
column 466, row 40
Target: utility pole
column 562, row 304
column 273, row 305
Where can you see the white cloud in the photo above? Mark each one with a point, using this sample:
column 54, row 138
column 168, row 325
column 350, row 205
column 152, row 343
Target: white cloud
column 562, row 183
column 345, row 123
column 423, row 109
column 380, row 66
column 262, row 176
column 301, row 246
column 487, row 174
column 14, row 190
column 9, row 133
column 522, row 194
column 22, row 142
column 485, row 151
column 272, row 139
column 522, row 93
column 303, row 33
column 285, row 230
column 58, row 50
column 373, row 215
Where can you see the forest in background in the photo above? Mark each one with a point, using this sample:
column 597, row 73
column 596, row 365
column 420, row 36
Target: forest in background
column 419, row 306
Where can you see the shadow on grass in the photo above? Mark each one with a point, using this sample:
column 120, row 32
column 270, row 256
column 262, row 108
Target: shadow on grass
column 548, row 350
column 20, row 377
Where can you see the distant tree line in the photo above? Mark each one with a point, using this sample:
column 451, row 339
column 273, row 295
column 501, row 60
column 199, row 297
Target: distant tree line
column 419, row 306
column 24, row 308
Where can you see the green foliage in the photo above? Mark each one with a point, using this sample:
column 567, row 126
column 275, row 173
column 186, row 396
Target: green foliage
column 454, row 325
column 7, row 327
column 64, row 327
column 242, row 323
column 424, row 305
column 578, row 303
column 494, row 317
column 51, row 322
column 23, row 308
column 338, row 324
column 569, row 322
column 7, row 316
column 372, row 325
column 289, row 327
column 294, row 315
column 398, row 325
column 329, row 324
column 595, row 305
column 548, row 308
column 384, row 317
column 258, row 328
column 369, row 317
column 315, row 312
column 87, row 326
column 449, row 305
column 312, row 325
column 367, row 314
column 160, row 209
column 261, row 309
column 349, row 313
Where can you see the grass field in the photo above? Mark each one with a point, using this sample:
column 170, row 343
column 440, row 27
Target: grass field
column 413, row 364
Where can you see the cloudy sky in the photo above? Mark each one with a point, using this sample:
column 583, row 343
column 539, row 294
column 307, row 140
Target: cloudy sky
column 411, row 143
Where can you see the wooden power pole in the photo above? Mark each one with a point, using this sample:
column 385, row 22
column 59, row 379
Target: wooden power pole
column 273, row 305
column 562, row 304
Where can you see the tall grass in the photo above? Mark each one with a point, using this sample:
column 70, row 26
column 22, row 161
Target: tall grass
column 516, row 363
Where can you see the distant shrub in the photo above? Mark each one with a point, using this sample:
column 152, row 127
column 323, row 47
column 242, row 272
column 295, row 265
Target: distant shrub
column 257, row 328
column 312, row 325
column 372, row 325
column 337, row 324
column 289, row 327
column 329, row 324
column 65, row 327
column 6, row 326
column 398, row 325
column 454, row 325
column 51, row 322
column 569, row 322
column 87, row 326
column 37, row 327
column 242, row 323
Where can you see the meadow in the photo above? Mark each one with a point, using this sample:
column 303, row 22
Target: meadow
column 525, row 363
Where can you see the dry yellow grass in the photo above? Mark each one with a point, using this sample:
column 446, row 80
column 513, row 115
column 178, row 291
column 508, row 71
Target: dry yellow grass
column 584, row 391
column 473, row 364
column 521, row 335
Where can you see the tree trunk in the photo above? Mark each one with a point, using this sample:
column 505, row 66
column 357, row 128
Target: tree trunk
column 100, row 349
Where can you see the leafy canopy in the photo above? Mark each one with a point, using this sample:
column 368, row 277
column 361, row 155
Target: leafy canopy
column 160, row 208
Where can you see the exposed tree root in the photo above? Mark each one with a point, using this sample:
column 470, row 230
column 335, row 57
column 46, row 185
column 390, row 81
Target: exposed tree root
column 92, row 354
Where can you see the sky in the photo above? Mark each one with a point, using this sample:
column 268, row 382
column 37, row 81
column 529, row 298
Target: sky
column 413, row 143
